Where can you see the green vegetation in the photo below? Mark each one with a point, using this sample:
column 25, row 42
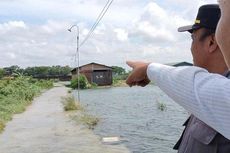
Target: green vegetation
column 38, row 71
column 161, row 106
column 119, row 80
column 2, row 125
column 2, row 72
column 89, row 120
column 118, row 70
column 119, row 83
column 82, row 82
column 82, row 116
column 70, row 104
column 119, row 76
column 16, row 94
column 70, row 91
column 46, row 70
column 86, row 119
column 92, row 85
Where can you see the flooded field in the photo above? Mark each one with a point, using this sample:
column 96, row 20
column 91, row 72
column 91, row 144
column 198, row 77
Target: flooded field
column 135, row 115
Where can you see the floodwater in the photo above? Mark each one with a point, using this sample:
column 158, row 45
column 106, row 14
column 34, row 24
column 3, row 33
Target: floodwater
column 133, row 115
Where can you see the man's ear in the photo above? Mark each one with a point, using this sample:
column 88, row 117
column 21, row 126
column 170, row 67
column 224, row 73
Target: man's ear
column 212, row 44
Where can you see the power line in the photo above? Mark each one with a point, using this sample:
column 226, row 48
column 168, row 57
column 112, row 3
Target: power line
column 101, row 15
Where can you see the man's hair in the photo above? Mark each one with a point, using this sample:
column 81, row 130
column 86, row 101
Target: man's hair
column 206, row 33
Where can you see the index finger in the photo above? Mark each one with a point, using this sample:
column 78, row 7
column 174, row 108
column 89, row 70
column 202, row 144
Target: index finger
column 130, row 64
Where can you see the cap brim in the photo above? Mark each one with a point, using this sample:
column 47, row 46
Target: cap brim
column 188, row 28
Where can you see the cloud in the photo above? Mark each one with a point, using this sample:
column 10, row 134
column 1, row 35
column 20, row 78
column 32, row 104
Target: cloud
column 12, row 25
column 157, row 26
column 122, row 35
column 35, row 33
column 15, row 24
column 31, row 44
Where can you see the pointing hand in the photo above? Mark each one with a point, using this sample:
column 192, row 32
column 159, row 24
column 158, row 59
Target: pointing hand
column 138, row 75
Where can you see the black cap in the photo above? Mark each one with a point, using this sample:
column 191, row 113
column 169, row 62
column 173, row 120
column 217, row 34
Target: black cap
column 207, row 17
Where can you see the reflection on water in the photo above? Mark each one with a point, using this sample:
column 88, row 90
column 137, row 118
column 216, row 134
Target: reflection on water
column 134, row 115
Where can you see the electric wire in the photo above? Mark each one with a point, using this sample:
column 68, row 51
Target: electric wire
column 99, row 18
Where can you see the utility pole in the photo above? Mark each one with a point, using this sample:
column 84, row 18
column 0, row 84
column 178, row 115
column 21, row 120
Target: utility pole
column 77, row 58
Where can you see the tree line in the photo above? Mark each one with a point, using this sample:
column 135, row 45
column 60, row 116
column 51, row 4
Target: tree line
column 37, row 71
column 43, row 71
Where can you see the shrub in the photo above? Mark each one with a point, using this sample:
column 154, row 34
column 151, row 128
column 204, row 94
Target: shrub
column 16, row 94
column 2, row 125
column 89, row 120
column 121, row 77
column 45, row 83
column 1, row 73
column 115, row 80
column 82, row 82
column 86, row 119
column 70, row 104
column 92, row 85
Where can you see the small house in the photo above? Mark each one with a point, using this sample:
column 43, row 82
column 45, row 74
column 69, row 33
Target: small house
column 95, row 73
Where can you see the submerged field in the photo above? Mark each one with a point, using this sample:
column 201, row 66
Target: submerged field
column 16, row 94
column 145, row 119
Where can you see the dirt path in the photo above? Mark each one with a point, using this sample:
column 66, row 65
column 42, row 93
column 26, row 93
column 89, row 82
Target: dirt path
column 44, row 128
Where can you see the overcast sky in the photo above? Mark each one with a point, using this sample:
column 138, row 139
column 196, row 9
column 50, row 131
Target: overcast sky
column 34, row 32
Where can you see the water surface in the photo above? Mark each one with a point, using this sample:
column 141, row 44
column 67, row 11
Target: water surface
column 133, row 114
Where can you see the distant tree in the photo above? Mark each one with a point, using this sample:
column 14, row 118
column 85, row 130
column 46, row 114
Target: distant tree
column 54, row 70
column 59, row 70
column 13, row 69
column 37, row 71
column 47, row 71
column 29, row 71
column 42, row 70
column 118, row 70
column 2, row 72
column 66, row 70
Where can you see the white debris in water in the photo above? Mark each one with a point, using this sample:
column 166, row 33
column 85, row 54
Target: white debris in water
column 110, row 139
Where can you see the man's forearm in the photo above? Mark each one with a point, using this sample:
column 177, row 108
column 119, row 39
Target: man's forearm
column 205, row 95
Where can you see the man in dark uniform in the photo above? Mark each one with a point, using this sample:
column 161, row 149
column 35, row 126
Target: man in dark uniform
column 197, row 136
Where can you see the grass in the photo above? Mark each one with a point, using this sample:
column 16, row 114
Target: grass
column 89, row 120
column 119, row 83
column 161, row 106
column 86, row 119
column 16, row 94
column 2, row 126
column 70, row 104
column 83, row 117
